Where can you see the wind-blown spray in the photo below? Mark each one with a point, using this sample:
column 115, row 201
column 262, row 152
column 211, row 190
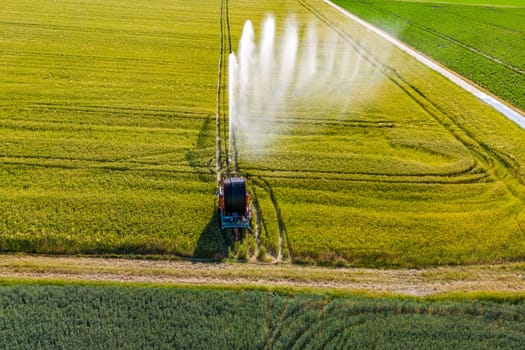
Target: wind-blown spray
column 232, row 100
column 266, row 81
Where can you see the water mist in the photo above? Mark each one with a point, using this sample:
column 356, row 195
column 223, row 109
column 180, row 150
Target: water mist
column 269, row 79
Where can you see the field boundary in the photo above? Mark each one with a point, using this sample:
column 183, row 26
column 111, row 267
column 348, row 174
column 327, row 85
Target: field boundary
column 501, row 279
column 493, row 101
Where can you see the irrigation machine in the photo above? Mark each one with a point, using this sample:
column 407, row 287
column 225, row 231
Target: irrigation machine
column 234, row 211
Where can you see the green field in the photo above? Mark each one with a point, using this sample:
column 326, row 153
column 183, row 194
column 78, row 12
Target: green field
column 107, row 144
column 82, row 317
column 105, row 111
column 482, row 43
column 484, row 3
column 414, row 172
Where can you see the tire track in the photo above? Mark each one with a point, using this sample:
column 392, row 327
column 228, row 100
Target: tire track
column 472, row 168
column 474, row 180
column 46, row 56
column 111, row 110
column 283, row 237
column 83, row 30
column 184, row 168
column 260, row 224
column 469, row 173
column 330, row 122
column 478, row 150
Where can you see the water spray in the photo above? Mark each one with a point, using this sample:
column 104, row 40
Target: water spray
column 233, row 212
column 268, row 76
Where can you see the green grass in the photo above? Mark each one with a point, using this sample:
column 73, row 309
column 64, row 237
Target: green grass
column 137, row 317
column 482, row 43
column 107, row 134
column 484, row 3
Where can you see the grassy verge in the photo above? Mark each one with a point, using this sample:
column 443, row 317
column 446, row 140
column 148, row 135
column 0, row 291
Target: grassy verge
column 503, row 279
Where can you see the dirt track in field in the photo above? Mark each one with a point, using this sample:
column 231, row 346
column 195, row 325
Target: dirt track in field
column 508, row 278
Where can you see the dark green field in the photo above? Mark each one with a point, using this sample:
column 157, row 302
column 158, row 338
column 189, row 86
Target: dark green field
column 481, row 40
column 87, row 317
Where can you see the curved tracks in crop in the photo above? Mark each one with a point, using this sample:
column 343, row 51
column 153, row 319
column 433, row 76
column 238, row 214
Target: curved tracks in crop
column 260, row 182
column 478, row 162
column 475, row 163
column 479, row 151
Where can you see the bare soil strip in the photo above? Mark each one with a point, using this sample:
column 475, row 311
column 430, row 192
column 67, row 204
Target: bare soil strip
column 503, row 278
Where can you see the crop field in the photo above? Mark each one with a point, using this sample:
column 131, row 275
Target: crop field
column 104, row 113
column 95, row 317
column 414, row 172
column 107, row 123
column 481, row 40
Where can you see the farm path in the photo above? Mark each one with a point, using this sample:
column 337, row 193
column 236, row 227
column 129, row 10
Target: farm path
column 508, row 278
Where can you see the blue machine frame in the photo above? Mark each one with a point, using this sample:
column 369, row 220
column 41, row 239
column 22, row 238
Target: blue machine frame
column 234, row 212
column 234, row 221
